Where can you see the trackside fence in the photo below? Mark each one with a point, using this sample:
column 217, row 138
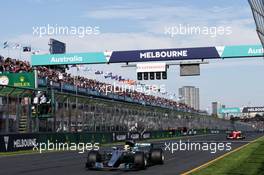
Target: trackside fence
column 27, row 141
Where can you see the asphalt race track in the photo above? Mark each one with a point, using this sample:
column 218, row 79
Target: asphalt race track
column 72, row 163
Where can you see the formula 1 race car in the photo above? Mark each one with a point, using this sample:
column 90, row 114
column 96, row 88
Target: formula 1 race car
column 235, row 135
column 134, row 156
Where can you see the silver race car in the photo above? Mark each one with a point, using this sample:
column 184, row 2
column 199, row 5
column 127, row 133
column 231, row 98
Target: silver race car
column 134, row 156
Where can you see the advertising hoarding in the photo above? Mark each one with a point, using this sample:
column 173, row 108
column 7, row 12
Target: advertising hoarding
column 174, row 54
column 229, row 110
column 151, row 67
column 253, row 109
column 26, row 79
column 70, row 58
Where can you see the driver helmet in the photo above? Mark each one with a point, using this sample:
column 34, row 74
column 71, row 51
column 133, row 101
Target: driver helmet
column 129, row 145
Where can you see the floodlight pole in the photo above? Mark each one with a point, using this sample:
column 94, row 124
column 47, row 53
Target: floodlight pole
column 36, row 86
column 7, row 115
column 76, row 99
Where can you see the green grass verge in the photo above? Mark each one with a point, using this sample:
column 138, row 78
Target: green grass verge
column 247, row 161
column 16, row 153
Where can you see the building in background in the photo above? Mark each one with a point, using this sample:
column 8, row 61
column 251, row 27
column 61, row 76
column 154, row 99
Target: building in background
column 215, row 108
column 190, row 95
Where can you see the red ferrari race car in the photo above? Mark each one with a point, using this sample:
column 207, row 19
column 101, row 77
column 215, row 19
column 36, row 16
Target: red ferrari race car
column 235, row 135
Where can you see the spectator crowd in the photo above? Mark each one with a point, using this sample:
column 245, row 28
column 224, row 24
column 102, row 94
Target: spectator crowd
column 54, row 75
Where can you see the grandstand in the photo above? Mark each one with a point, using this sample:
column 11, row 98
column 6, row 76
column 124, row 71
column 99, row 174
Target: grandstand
column 95, row 88
column 81, row 104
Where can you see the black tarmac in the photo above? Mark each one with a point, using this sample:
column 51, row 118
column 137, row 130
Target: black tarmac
column 73, row 163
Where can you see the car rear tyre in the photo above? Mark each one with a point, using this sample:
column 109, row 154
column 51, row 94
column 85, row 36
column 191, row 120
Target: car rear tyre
column 92, row 158
column 140, row 160
column 157, row 156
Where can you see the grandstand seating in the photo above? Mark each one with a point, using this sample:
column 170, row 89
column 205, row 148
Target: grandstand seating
column 86, row 86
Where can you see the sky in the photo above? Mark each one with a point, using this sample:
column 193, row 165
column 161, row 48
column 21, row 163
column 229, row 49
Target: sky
column 142, row 24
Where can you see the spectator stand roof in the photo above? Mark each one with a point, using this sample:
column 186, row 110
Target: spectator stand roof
column 257, row 7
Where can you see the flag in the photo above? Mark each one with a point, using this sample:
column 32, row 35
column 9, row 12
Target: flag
column 120, row 78
column 97, row 72
column 27, row 49
column 114, row 77
column 108, row 74
column 5, row 45
column 87, row 69
column 16, row 46
column 130, row 82
column 35, row 52
column 79, row 66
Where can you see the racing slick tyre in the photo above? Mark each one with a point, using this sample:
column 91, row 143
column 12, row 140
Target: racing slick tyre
column 92, row 158
column 157, row 156
column 140, row 160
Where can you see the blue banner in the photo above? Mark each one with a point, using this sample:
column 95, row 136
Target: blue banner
column 164, row 55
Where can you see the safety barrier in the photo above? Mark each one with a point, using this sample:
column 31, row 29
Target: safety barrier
column 27, row 141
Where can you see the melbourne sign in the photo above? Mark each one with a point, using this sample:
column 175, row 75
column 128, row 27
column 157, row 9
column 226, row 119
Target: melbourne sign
column 253, row 109
column 164, row 54
column 17, row 142
column 195, row 53
column 18, row 79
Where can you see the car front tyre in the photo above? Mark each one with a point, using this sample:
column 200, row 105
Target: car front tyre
column 157, row 156
column 140, row 160
column 92, row 158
